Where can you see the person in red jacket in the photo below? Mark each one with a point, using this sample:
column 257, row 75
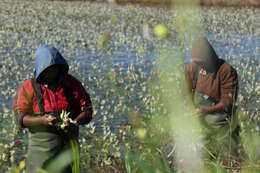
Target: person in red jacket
column 40, row 103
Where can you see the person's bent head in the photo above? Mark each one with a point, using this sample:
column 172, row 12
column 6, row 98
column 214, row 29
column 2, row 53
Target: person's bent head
column 50, row 74
column 204, row 55
column 50, row 66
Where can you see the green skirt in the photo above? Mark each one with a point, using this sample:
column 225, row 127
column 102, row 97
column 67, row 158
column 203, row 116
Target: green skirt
column 43, row 148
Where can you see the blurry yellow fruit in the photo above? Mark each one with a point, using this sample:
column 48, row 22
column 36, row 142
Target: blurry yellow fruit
column 141, row 133
column 161, row 30
column 22, row 164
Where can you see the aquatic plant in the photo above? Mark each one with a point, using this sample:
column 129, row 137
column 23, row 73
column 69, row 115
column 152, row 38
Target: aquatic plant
column 127, row 79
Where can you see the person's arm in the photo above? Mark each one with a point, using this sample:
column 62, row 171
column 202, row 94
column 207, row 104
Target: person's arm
column 23, row 103
column 87, row 110
column 229, row 85
column 32, row 120
column 83, row 102
column 84, row 117
column 23, row 107
column 219, row 107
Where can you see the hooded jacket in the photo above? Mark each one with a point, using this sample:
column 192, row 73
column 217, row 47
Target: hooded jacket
column 47, row 142
column 211, row 76
column 47, row 56
column 53, row 96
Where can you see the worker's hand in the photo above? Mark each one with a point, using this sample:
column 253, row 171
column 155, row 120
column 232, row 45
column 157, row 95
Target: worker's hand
column 71, row 129
column 47, row 120
column 201, row 111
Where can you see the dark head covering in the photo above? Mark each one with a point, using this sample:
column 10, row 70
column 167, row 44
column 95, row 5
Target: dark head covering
column 47, row 56
column 204, row 55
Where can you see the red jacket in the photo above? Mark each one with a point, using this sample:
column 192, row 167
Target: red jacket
column 53, row 100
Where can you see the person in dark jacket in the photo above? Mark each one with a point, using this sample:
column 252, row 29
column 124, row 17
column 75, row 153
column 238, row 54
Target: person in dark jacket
column 213, row 84
column 40, row 103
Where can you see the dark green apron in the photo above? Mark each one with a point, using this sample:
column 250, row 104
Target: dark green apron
column 44, row 146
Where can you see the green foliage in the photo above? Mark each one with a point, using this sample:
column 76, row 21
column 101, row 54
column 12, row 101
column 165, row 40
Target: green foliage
column 61, row 162
column 251, row 145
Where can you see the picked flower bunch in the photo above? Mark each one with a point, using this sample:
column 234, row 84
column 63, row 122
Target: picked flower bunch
column 65, row 120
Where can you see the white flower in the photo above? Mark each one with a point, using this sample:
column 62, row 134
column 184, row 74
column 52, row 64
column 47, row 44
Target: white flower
column 66, row 120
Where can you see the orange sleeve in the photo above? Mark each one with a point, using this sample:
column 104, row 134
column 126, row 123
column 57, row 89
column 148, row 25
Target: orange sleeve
column 24, row 101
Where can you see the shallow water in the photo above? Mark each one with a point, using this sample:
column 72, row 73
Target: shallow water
column 75, row 30
column 119, row 80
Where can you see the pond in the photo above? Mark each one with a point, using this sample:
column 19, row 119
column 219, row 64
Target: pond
column 119, row 76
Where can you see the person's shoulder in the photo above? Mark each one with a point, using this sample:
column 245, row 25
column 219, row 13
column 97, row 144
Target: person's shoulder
column 27, row 83
column 26, row 86
column 227, row 67
column 72, row 80
column 190, row 67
